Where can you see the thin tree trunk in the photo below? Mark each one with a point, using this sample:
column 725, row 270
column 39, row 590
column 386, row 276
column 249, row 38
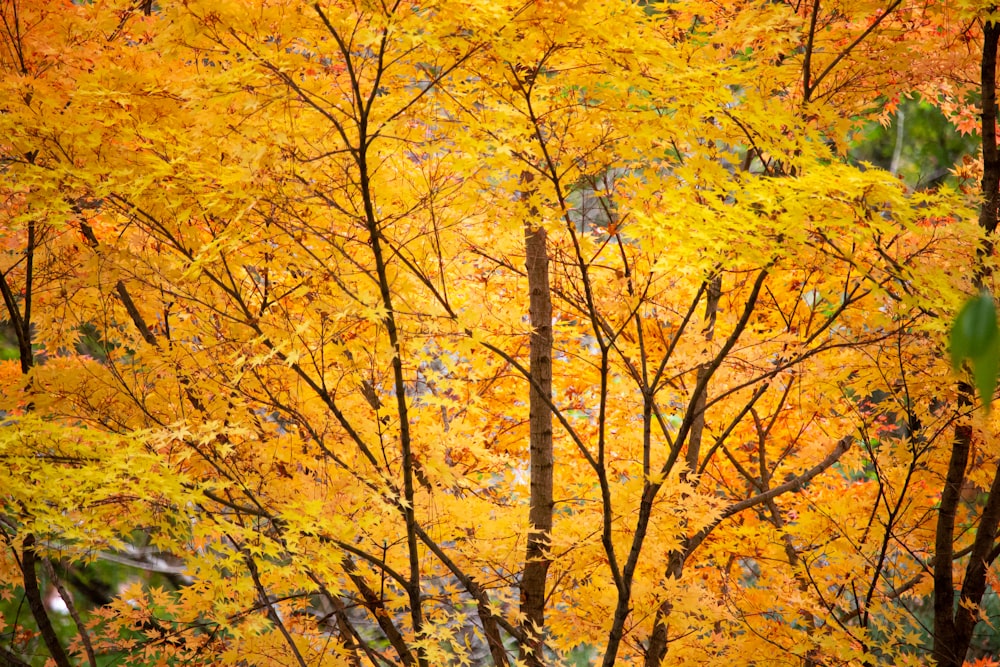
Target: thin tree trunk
column 540, row 444
column 945, row 649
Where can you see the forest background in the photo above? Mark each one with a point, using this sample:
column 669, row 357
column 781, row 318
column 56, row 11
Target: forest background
column 535, row 333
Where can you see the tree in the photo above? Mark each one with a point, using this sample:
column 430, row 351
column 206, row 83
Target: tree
column 954, row 624
column 444, row 332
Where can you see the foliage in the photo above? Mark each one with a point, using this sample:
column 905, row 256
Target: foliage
column 270, row 268
column 974, row 337
column 920, row 145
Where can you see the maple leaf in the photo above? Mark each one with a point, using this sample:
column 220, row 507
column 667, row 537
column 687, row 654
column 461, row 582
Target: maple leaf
column 425, row 330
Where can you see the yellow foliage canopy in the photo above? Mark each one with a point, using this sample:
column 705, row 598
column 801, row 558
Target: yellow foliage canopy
column 268, row 264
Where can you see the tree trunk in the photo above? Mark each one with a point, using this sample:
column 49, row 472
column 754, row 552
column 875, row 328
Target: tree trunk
column 953, row 626
column 540, row 443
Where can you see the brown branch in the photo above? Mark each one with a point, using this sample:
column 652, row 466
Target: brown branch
column 794, row 484
column 376, row 606
column 266, row 603
column 9, row 659
column 22, row 329
column 807, row 63
column 37, row 605
column 68, row 601
column 123, row 294
column 850, row 47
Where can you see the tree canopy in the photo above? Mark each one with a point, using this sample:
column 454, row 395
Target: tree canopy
column 491, row 333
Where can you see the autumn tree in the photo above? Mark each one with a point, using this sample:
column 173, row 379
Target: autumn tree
column 954, row 623
column 448, row 333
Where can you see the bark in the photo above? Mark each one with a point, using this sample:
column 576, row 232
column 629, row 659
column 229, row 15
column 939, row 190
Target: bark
column 945, row 648
column 540, row 445
column 493, row 639
column 374, row 603
column 991, row 156
column 953, row 626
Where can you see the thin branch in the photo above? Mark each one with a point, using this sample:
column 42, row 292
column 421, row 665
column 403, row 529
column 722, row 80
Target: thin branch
column 68, row 601
column 37, row 605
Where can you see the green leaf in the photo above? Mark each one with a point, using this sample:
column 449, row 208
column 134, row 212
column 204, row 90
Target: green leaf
column 974, row 331
column 974, row 336
column 984, row 369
